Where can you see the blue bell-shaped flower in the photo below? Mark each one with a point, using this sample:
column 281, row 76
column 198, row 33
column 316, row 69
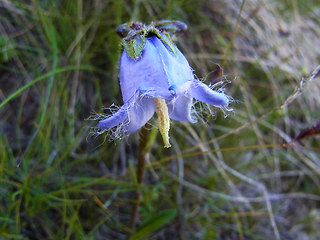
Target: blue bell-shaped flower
column 161, row 81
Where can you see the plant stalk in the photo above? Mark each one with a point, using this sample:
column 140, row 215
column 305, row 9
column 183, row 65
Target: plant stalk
column 142, row 157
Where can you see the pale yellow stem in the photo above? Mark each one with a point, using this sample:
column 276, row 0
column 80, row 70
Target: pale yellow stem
column 163, row 120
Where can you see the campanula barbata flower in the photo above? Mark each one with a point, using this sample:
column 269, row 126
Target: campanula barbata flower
column 156, row 77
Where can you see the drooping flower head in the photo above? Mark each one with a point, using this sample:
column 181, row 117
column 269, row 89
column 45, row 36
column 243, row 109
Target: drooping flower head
column 156, row 77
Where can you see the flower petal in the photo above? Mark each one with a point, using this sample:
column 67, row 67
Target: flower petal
column 133, row 114
column 176, row 65
column 158, row 93
column 180, row 108
column 145, row 74
column 117, row 118
column 203, row 93
column 139, row 113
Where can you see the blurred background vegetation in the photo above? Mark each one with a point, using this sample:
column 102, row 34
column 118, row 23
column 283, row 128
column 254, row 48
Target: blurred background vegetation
column 223, row 178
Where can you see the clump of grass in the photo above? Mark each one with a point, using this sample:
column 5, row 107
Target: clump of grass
column 224, row 178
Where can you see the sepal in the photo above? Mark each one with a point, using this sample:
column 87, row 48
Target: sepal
column 172, row 27
column 166, row 39
column 134, row 44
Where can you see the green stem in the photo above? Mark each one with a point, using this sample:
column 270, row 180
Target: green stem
column 142, row 157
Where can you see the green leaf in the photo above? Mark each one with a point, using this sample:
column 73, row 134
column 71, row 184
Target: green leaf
column 153, row 223
column 7, row 49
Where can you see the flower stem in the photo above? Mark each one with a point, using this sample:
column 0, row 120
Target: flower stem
column 142, row 157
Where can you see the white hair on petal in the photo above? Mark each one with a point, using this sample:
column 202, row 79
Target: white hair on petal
column 114, row 133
